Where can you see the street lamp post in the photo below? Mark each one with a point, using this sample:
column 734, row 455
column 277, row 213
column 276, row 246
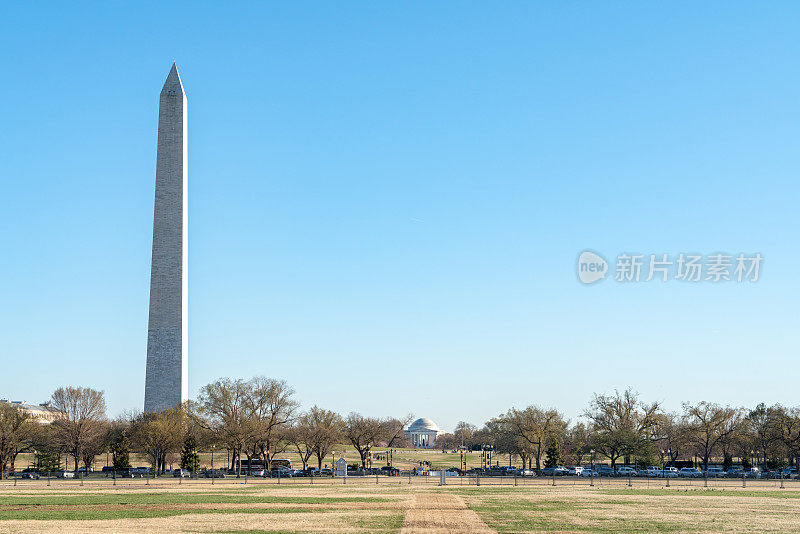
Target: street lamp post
column 591, row 472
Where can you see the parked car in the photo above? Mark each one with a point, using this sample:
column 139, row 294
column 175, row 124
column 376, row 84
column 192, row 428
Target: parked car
column 605, row 471
column 65, row 474
column 527, row 473
column 325, row 472
column 217, row 473
column 690, row 472
column 554, row 471
column 715, row 472
column 753, row 472
column 576, row 470
column 108, row 470
column 140, row 472
column 281, row 472
column 589, row 472
column 654, row 472
column 31, row 475
column 670, row 472
column 625, row 471
column 734, row 472
column 390, row 471
column 181, row 473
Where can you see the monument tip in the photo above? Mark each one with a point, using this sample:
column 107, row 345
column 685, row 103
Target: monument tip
column 173, row 79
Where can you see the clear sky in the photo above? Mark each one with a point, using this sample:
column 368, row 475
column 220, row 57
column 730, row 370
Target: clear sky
column 387, row 200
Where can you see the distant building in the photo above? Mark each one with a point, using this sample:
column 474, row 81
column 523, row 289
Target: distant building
column 43, row 414
column 422, row 433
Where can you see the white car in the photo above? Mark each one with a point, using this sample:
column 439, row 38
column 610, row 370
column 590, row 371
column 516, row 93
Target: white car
column 690, row 472
column 655, row 472
column 670, row 472
column 587, row 472
column 574, row 470
column 626, row 471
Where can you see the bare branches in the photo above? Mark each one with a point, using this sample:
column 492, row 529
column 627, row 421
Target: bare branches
column 710, row 424
column 16, row 431
column 82, row 420
column 622, row 423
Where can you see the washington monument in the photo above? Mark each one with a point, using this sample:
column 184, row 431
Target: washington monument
column 166, row 381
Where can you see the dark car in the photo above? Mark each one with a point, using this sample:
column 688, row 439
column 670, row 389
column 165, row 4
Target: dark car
column 281, row 472
column 557, row 471
column 30, row 475
column 605, row 471
column 141, row 472
column 390, row 471
column 125, row 472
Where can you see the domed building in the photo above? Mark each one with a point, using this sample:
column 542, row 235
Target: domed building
column 422, row 433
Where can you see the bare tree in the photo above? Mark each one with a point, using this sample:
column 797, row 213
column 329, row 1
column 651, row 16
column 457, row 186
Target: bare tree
column 672, row 436
column 537, row 427
column 81, row 420
column 364, row 433
column 763, row 424
column 394, row 429
column 464, row 433
column 325, row 431
column 158, row 434
column 224, row 407
column 709, row 424
column 270, row 407
column 578, row 443
column 623, row 424
column 97, row 445
column 788, row 430
column 504, row 438
column 301, row 437
column 16, row 431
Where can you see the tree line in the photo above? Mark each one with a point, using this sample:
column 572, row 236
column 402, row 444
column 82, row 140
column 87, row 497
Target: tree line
column 260, row 418
column 254, row 419
column 623, row 428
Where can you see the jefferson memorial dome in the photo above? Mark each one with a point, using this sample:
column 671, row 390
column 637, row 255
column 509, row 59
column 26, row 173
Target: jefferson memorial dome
column 422, row 433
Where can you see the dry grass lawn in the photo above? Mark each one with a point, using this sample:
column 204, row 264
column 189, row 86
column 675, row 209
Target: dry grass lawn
column 361, row 506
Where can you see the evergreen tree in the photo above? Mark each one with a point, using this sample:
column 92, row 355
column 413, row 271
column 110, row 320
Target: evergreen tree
column 189, row 458
column 120, row 451
column 48, row 462
column 727, row 461
column 553, row 453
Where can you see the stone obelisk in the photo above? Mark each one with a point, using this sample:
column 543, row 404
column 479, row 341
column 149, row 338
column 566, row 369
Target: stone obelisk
column 166, row 384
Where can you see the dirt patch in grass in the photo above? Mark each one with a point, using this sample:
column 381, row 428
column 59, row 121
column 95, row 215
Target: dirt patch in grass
column 442, row 513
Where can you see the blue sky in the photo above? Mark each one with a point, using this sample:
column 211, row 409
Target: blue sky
column 387, row 200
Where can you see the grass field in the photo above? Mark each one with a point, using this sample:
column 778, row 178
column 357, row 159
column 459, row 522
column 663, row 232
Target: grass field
column 394, row 505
